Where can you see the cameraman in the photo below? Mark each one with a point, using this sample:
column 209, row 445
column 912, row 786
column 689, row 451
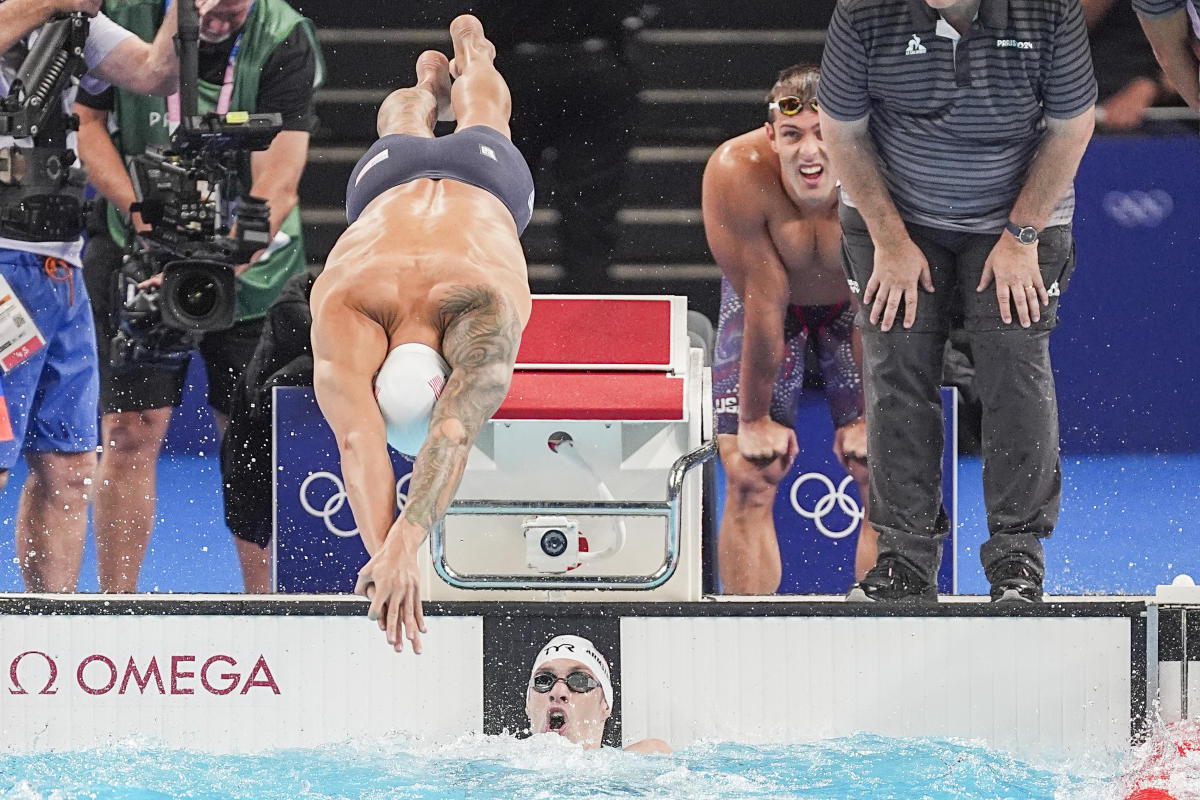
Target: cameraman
column 258, row 57
column 50, row 388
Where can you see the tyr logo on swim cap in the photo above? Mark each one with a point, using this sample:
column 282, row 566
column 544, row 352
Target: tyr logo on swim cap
column 406, row 388
column 578, row 649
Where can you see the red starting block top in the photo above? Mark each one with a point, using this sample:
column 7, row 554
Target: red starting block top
column 602, row 358
column 593, row 395
column 566, row 332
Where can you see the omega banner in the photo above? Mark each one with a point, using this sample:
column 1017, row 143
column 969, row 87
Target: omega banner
column 817, row 511
column 227, row 684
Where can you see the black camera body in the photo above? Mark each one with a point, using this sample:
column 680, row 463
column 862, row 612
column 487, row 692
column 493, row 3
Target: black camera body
column 201, row 228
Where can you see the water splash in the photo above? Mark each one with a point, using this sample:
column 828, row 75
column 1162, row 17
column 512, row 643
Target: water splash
column 493, row 767
column 1169, row 760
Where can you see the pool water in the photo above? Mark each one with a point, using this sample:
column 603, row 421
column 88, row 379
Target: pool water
column 486, row 767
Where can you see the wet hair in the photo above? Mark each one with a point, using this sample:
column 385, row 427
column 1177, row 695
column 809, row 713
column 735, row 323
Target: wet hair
column 798, row 80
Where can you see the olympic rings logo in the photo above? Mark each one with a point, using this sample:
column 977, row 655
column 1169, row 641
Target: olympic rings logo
column 834, row 496
column 402, row 493
column 1139, row 209
column 333, row 504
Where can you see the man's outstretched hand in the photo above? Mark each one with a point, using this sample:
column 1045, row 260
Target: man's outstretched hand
column 391, row 581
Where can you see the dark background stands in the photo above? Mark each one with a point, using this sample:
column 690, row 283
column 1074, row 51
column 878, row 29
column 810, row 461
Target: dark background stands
column 574, row 114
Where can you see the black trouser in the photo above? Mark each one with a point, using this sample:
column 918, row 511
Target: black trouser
column 283, row 358
column 584, row 106
column 902, row 372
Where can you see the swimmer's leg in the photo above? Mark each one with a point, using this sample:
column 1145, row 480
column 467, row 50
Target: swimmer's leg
column 479, row 95
column 413, row 110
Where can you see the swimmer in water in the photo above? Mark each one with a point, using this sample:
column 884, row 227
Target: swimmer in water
column 562, row 696
column 419, row 312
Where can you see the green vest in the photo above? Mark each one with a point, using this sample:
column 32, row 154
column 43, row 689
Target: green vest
column 142, row 120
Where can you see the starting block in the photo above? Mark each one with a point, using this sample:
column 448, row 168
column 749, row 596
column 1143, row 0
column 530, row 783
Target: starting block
column 583, row 480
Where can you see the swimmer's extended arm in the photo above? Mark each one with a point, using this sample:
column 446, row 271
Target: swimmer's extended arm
column 479, row 343
column 347, row 351
column 742, row 246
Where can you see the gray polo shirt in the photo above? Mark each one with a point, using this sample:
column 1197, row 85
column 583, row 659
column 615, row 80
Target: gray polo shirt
column 957, row 122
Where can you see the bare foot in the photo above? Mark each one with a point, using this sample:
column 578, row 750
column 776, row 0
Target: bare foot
column 433, row 71
column 466, row 31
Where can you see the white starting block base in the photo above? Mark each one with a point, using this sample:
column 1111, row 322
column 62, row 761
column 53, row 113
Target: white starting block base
column 606, row 397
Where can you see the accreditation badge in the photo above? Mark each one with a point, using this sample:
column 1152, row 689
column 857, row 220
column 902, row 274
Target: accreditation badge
column 19, row 337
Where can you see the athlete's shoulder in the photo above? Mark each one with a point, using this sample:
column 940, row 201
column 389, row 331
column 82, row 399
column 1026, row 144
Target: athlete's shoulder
column 649, row 746
column 744, row 157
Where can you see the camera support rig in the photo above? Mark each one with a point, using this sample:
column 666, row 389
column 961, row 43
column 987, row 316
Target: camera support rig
column 55, row 60
column 40, row 189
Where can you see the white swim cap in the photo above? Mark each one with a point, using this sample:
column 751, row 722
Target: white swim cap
column 578, row 649
column 406, row 387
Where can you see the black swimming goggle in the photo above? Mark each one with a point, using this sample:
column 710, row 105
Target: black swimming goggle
column 791, row 106
column 577, row 681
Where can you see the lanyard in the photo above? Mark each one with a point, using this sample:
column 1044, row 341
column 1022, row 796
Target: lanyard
column 226, row 95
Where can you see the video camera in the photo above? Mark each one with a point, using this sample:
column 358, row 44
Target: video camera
column 202, row 226
column 197, row 236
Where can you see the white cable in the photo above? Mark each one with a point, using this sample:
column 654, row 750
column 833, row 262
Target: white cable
column 605, row 494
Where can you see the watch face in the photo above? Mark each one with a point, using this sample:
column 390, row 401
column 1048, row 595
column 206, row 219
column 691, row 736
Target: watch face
column 1027, row 235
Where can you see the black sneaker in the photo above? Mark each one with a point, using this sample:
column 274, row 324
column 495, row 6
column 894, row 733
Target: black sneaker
column 891, row 580
column 1016, row 582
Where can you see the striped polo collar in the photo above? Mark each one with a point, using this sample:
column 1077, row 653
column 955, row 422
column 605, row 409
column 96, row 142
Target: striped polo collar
column 993, row 13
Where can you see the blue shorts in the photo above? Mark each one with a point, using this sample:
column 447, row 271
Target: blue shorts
column 53, row 395
column 478, row 155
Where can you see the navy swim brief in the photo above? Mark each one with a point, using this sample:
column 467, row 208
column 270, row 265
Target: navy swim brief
column 478, row 155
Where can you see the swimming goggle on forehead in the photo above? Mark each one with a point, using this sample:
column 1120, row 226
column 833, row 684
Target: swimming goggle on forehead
column 578, row 681
column 791, row 106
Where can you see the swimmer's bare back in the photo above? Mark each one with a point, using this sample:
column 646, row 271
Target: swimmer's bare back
column 415, row 245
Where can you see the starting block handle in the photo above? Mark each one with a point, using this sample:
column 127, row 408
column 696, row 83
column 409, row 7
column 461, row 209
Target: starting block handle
column 668, row 508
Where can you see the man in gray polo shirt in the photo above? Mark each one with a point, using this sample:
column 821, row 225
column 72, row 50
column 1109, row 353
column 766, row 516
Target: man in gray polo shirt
column 957, row 127
column 1173, row 28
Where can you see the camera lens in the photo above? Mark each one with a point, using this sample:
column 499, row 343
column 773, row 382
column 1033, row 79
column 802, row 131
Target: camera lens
column 554, row 542
column 196, row 295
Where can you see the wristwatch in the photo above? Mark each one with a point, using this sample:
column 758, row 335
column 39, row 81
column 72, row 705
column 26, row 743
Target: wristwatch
column 1026, row 234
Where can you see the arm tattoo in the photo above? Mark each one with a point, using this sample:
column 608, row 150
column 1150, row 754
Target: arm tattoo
column 480, row 340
